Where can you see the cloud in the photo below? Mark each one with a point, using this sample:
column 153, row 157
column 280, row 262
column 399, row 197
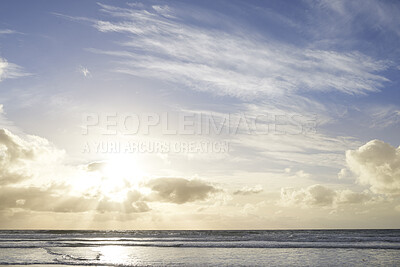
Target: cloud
column 382, row 117
column 208, row 59
column 302, row 174
column 19, row 156
column 7, row 31
column 349, row 197
column 376, row 15
column 58, row 199
column 344, row 173
column 14, row 148
column 249, row 190
column 96, row 166
column 164, row 11
column 30, row 165
column 376, row 164
column 315, row 195
column 179, row 190
column 10, row 70
column 85, row 71
column 321, row 196
column 213, row 59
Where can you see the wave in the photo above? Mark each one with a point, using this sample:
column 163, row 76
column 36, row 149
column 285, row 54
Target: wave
column 215, row 244
column 371, row 239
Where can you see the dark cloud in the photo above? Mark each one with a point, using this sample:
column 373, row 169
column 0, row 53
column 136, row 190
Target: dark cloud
column 96, row 166
column 52, row 200
column 179, row 190
column 18, row 156
column 248, row 191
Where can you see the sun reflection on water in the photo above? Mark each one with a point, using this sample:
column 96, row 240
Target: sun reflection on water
column 116, row 255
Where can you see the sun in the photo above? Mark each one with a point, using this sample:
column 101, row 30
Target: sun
column 113, row 177
column 122, row 167
column 120, row 172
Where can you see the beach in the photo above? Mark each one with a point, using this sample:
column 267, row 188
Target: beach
column 201, row 248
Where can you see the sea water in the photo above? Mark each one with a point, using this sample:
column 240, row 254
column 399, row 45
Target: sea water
column 202, row 248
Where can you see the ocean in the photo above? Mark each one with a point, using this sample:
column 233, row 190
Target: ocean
column 201, row 248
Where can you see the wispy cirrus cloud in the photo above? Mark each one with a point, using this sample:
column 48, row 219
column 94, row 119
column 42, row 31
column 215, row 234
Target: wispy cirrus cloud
column 384, row 116
column 230, row 62
column 6, row 31
column 10, row 70
column 376, row 15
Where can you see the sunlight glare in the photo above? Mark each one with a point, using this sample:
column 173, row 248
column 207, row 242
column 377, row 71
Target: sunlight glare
column 116, row 176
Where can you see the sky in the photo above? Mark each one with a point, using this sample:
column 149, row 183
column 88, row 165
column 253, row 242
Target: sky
column 199, row 114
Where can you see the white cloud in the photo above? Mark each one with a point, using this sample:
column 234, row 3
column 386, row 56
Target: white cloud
column 20, row 157
column 10, row 70
column 242, row 64
column 344, row 173
column 302, row 174
column 85, row 71
column 7, row 31
column 376, row 164
column 316, row 195
column 378, row 15
column 321, row 196
column 232, row 63
column 164, row 11
column 5, row 123
column 314, row 149
column 384, row 116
